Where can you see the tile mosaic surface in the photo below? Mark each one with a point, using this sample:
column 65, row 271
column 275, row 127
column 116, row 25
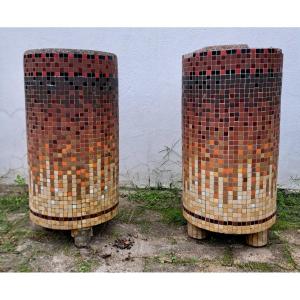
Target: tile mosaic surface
column 230, row 132
column 72, row 136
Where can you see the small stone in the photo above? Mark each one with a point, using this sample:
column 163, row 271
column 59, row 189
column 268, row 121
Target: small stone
column 82, row 237
column 106, row 255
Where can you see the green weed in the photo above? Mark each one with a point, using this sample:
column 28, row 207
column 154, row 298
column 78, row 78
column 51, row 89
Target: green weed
column 165, row 201
column 227, row 259
column 288, row 211
column 258, row 267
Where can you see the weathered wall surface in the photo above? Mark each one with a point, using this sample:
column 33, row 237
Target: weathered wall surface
column 150, row 93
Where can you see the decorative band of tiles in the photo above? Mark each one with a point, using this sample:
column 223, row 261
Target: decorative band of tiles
column 230, row 136
column 231, row 223
column 72, row 119
column 84, row 217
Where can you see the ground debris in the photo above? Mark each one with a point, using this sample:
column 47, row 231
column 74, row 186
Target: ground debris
column 128, row 257
column 124, row 243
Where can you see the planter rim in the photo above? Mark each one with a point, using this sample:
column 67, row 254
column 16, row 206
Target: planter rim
column 227, row 47
column 67, row 50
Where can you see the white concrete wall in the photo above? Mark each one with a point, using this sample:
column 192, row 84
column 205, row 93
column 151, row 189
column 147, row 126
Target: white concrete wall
column 150, row 92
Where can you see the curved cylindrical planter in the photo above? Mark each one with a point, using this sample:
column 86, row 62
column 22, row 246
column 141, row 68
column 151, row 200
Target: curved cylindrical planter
column 231, row 115
column 72, row 137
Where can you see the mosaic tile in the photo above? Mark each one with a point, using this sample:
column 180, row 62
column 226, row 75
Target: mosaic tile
column 72, row 136
column 230, row 133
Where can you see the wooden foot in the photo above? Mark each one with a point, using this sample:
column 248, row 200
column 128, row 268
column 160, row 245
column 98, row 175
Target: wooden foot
column 82, row 237
column 258, row 239
column 196, row 232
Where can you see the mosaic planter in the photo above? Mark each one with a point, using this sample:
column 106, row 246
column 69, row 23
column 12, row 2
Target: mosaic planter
column 72, row 137
column 230, row 122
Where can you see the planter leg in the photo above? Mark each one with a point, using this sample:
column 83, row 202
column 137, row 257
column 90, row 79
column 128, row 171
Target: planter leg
column 82, row 237
column 258, row 239
column 196, row 232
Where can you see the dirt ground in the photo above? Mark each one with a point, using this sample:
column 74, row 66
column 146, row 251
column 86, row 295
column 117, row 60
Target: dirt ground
column 152, row 241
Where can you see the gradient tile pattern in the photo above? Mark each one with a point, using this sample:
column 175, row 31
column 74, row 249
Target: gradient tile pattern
column 72, row 136
column 230, row 132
